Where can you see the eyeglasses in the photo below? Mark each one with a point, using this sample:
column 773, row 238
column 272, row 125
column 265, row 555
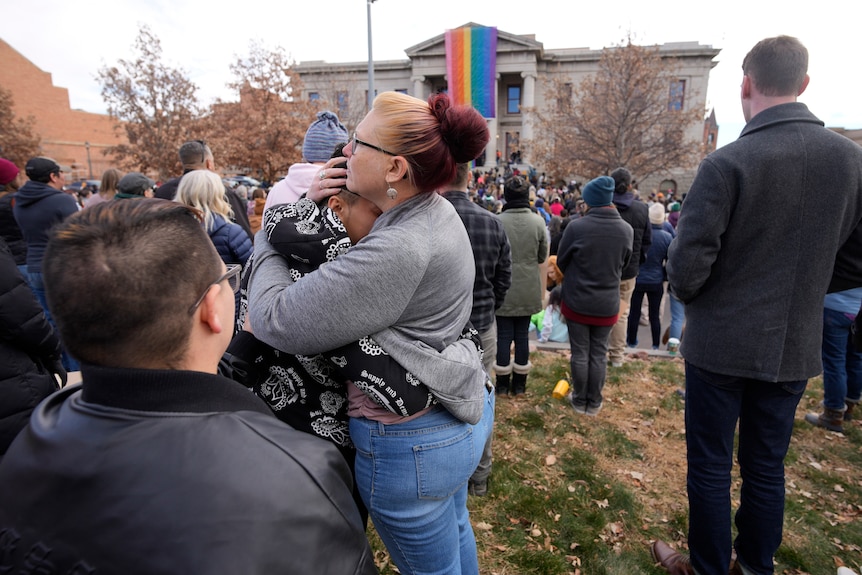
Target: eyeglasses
column 232, row 277
column 356, row 140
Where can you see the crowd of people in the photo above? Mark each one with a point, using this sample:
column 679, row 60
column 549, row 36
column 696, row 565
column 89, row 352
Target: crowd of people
column 262, row 371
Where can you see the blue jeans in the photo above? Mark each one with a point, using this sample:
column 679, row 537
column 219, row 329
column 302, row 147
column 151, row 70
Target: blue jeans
column 765, row 411
column 589, row 346
column 677, row 316
column 37, row 286
column 509, row 329
column 413, row 478
column 842, row 364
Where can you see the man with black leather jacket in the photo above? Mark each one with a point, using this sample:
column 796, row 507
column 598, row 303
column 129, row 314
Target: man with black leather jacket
column 156, row 464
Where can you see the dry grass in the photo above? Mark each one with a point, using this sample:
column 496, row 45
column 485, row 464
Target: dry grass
column 581, row 495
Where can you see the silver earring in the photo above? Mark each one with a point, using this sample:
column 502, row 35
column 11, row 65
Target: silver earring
column 391, row 193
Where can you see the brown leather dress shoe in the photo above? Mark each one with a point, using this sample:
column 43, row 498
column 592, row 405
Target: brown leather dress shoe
column 675, row 562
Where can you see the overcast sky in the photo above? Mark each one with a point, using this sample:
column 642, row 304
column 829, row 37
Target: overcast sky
column 203, row 38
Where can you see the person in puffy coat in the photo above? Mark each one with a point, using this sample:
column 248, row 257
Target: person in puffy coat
column 30, row 350
column 204, row 190
column 528, row 240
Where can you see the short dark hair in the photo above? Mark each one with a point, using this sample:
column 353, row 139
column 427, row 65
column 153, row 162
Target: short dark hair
column 120, row 278
column 194, row 153
column 777, row 66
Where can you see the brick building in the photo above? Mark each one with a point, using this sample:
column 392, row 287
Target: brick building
column 74, row 138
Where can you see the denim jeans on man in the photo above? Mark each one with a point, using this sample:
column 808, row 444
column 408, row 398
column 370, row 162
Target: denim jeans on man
column 765, row 412
column 37, row 286
column 413, row 478
column 842, row 364
column 677, row 316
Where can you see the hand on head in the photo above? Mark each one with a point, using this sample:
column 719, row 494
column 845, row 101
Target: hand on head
column 329, row 180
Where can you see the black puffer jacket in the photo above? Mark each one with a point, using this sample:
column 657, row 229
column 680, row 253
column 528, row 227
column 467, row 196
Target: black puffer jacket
column 636, row 214
column 9, row 229
column 28, row 345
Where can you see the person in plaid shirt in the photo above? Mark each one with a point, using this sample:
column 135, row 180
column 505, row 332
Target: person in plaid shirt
column 493, row 278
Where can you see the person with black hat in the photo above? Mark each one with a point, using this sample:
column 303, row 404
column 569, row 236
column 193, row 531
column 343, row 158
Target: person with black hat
column 40, row 204
column 593, row 252
column 528, row 240
column 134, row 185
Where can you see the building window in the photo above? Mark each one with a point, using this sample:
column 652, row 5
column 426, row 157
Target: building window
column 676, row 98
column 314, row 96
column 402, row 91
column 342, row 101
column 513, row 99
column 564, row 98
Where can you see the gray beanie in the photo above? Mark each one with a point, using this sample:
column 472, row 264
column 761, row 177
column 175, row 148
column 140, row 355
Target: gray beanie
column 322, row 136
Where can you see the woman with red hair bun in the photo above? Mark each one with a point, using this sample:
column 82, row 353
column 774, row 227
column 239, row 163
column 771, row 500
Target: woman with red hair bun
column 409, row 284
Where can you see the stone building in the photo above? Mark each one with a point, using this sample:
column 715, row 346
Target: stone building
column 522, row 65
column 74, row 138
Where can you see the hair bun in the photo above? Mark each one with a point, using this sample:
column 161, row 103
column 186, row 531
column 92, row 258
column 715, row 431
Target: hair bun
column 463, row 128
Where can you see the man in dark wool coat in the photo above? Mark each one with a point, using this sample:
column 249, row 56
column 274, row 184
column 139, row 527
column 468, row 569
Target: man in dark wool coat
column 766, row 221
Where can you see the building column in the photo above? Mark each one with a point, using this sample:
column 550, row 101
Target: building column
column 419, row 87
column 528, row 102
column 493, row 128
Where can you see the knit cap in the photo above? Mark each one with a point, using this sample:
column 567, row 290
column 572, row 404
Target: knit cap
column 656, row 214
column 599, row 192
column 322, row 136
column 8, row 171
column 516, row 189
column 674, row 207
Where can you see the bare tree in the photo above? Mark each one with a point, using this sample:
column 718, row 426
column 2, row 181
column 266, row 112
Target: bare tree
column 18, row 141
column 262, row 133
column 154, row 105
column 624, row 115
column 348, row 99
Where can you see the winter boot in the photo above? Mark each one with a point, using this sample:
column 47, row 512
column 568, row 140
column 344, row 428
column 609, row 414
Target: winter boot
column 848, row 412
column 831, row 419
column 504, row 377
column 519, row 378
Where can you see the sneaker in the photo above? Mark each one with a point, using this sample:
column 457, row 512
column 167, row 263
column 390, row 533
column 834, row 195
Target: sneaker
column 593, row 410
column 616, row 364
column 578, row 407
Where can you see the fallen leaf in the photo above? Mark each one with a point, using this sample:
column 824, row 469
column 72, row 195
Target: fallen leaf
column 551, row 459
column 484, row 526
column 603, row 504
column 838, row 488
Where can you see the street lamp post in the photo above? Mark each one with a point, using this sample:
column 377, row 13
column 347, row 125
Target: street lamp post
column 370, row 60
column 89, row 163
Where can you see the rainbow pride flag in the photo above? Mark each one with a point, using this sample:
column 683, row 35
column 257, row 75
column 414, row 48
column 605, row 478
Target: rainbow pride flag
column 471, row 66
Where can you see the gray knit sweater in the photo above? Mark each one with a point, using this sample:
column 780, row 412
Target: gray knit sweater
column 408, row 284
